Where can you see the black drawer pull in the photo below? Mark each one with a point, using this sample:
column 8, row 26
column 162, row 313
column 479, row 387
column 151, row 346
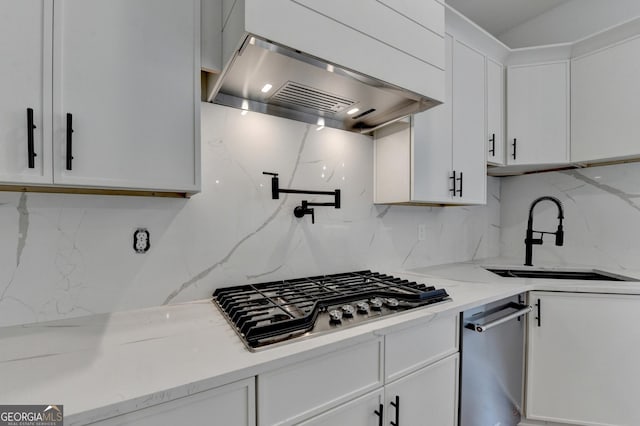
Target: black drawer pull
column 31, row 155
column 396, row 405
column 460, row 189
column 492, row 151
column 379, row 412
column 515, row 141
column 453, row 178
column 69, row 140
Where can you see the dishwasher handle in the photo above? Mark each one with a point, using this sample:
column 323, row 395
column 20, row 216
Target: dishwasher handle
column 522, row 310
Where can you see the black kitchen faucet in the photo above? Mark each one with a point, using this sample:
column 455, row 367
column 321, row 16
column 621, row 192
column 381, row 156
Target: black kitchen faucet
column 530, row 241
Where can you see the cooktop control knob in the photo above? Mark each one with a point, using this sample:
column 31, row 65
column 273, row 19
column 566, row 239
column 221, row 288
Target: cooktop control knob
column 392, row 302
column 362, row 307
column 376, row 303
column 335, row 316
column 348, row 310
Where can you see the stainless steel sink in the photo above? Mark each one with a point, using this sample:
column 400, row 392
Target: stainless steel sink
column 591, row 274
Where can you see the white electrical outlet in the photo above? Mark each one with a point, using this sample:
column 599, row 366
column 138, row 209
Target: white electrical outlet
column 141, row 240
column 422, row 232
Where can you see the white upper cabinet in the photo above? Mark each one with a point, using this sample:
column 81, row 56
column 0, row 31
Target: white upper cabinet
column 25, row 67
column 126, row 78
column 211, row 35
column 469, row 129
column 538, row 113
column 113, row 88
column 605, row 100
column 443, row 161
column 495, row 112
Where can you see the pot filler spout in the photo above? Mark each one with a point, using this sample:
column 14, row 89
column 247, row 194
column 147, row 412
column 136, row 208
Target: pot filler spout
column 276, row 80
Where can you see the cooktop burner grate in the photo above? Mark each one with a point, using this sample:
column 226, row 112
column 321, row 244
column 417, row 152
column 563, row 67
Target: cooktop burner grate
column 275, row 311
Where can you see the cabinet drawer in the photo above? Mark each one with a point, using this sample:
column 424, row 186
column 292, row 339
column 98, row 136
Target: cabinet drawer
column 427, row 342
column 285, row 395
column 229, row 405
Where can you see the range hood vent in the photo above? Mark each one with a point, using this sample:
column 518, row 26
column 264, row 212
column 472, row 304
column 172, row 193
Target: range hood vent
column 298, row 95
column 310, row 89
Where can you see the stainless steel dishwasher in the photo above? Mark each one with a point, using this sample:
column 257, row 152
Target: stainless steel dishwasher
column 492, row 363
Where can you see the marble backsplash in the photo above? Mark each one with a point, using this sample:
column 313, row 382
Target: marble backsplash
column 601, row 206
column 71, row 255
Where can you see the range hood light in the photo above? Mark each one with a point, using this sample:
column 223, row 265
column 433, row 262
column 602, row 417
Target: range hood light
column 330, row 68
column 245, row 107
column 320, row 124
column 353, row 111
column 252, row 41
column 266, row 88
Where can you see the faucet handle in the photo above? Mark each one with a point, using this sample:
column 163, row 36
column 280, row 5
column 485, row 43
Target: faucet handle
column 302, row 210
column 559, row 236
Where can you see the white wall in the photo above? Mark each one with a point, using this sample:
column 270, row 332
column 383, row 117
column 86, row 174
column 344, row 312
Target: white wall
column 602, row 210
column 70, row 255
column 571, row 21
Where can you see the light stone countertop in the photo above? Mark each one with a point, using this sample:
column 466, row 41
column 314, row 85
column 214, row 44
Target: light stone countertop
column 104, row 365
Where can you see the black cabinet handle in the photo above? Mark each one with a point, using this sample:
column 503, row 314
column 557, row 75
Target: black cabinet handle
column 69, row 140
column 31, row 155
column 492, row 151
column 453, row 179
column 396, row 405
column 460, row 189
column 379, row 412
column 515, row 141
column 539, row 317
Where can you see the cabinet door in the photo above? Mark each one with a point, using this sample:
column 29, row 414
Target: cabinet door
column 230, row 405
column 469, row 131
column 538, row 113
column 431, row 145
column 284, row 396
column 495, row 112
column 128, row 73
column 427, row 397
column 605, row 99
column 363, row 411
column 25, row 49
column 582, row 361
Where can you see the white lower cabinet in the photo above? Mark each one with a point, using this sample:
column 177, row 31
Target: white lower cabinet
column 361, row 385
column 363, row 411
column 307, row 388
column 427, row 397
column 229, row 405
column 582, row 359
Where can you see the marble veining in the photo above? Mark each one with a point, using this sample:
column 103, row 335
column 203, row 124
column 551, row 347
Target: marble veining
column 602, row 208
column 72, row 255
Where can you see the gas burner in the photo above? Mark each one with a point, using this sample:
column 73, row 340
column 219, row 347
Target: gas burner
column 279, row 311
column 376, row 304
column 348, row 310
column 362, row 307
column 335, row 316
column 392, row 303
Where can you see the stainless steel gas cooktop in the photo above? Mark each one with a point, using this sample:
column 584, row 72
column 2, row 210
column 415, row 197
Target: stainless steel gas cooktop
column 279, row 311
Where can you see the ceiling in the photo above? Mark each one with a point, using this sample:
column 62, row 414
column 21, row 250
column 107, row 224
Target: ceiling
column 498, row 16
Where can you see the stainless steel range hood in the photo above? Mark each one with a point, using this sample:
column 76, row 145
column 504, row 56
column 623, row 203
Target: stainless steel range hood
column 308, row 89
